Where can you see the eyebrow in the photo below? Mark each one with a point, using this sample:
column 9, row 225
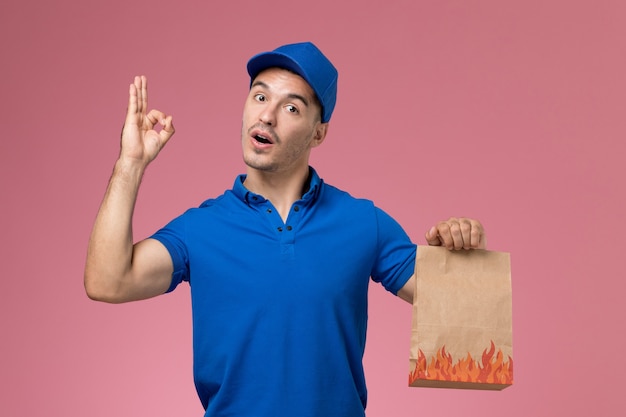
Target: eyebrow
column 290, row 95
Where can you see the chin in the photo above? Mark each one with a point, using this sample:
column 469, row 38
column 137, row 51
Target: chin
column 254, row 163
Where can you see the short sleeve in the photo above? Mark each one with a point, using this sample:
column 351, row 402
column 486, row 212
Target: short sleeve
column 172, row 236
column 395, row 262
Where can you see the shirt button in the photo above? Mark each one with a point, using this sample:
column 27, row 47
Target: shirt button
column 296, row 208
column 280, row 229
column 269, row 210
column 289, row 228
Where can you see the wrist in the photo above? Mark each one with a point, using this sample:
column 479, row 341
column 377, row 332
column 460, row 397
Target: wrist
column 129, row 169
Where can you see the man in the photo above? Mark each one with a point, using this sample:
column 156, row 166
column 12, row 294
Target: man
column 278, row 266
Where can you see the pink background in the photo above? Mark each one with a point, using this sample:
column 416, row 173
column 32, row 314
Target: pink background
column 511, row 112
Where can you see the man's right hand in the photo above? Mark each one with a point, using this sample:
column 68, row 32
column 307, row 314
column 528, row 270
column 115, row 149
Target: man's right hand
column 141, row 142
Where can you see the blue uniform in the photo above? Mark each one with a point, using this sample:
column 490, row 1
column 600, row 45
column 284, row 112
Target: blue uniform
column 280, row 308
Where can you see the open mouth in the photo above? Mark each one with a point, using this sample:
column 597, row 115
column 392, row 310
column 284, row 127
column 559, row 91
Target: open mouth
column 262, row 139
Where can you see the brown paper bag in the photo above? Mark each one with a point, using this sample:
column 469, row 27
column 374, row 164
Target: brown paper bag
column 462, row 320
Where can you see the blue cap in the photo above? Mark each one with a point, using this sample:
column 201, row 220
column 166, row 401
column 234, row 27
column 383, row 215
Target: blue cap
column 306, row 60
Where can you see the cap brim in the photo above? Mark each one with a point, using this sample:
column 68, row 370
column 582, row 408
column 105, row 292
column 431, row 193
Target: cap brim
column 265, row 60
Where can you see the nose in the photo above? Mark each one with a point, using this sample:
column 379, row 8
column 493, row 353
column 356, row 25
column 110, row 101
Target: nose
column 268, row 115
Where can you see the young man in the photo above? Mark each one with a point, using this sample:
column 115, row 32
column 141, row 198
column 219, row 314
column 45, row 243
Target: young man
column 278, row 266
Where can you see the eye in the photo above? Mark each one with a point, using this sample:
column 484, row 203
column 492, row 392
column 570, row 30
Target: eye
column 259, row 97
column 291, row 108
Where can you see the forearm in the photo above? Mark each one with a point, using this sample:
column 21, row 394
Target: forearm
column 406, row 292
column 110, row 251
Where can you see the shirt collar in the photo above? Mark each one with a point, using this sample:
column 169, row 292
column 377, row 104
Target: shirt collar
column 247, row 196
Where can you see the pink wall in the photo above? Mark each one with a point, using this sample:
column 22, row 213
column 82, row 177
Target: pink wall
column 512, row 112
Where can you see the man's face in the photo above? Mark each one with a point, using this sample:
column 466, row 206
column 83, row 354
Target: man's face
column 281, row 122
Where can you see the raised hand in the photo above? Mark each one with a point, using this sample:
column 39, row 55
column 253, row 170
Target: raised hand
column 141, row 142
column 458, row 233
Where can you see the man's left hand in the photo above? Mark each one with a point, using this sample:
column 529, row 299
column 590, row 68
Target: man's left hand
column 457, row 233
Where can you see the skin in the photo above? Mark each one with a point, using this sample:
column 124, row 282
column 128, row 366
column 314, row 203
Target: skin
column 282, row 109
column 117, row 271
column 281, row 106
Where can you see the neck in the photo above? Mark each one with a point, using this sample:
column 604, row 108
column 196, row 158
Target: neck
column 280, row 189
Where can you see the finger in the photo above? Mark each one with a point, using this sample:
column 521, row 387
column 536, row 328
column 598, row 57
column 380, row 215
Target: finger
column 144, row 92
column 138, row 87
column 444, row 230
column 132, row 99
column 432, row 238
column 456, row 234
column 465, row 226
column 154, row 117
column 477, row 235
column 168, row 129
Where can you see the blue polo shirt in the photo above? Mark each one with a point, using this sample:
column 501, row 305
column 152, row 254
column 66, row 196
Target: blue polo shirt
column 280, row 308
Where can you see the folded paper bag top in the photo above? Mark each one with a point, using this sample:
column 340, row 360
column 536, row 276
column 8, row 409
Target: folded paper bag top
column 462, row 320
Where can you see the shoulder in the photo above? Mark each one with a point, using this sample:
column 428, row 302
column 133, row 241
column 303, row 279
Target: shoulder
column 332, row 194
column 360, row 210
column 216, row 202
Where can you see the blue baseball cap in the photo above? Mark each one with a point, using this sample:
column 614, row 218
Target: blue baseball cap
column 306, row 60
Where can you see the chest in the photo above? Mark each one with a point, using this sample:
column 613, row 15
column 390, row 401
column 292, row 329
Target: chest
column 255, row 255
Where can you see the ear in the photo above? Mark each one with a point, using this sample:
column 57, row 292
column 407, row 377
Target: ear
column 320, row 134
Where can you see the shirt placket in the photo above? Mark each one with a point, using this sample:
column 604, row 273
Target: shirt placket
column 285, row 231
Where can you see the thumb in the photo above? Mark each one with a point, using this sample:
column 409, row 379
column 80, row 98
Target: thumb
column 168, row 129
column 432, row 237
